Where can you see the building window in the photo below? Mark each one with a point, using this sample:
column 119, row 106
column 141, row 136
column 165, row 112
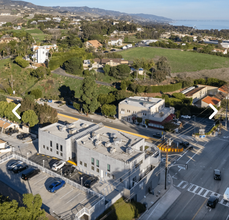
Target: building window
column 47, row 148
column 50, row 149
column 97, row 170
column 92, row 168
column 108, row 167
column 121, row 180
column 81, row 162
column 61, row 154
column 57, row 152
column 50, row 143
column 44, row 146
column 61, row 148
column 97, row 163
column 92, row 161
column 128, row 111
column 85, row 164
column 57, row 146
column 123, row 110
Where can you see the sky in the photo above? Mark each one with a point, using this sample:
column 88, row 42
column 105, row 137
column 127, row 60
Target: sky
column 174, row 9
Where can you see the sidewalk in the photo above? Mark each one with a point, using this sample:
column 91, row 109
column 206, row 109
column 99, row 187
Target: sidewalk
column 162, row 199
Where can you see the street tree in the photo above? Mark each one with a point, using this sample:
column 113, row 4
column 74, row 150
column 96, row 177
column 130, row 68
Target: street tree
column 108, row 110
column 30, row 117
column 88, row 95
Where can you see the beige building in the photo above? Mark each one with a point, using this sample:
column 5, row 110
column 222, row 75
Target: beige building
column 210, row 100
column 93, row 43
column 151, row 111
column 110, row 61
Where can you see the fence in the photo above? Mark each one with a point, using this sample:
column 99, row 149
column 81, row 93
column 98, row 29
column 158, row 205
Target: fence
column 85, row 210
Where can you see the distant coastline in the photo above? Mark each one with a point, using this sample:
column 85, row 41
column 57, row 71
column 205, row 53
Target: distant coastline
column 202, row 24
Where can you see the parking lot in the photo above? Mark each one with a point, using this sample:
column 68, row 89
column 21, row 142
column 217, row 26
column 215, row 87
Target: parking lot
column 66, row 200
column 49, row 161
column 191, row 126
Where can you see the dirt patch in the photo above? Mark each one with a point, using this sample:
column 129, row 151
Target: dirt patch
column 222, row 74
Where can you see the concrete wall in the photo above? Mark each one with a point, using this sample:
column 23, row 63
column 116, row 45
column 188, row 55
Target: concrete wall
column 44, row 140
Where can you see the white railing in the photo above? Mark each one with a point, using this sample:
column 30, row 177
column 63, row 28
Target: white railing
column 85, row 210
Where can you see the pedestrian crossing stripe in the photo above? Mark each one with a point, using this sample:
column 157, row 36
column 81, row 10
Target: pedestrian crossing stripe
column 200, row 191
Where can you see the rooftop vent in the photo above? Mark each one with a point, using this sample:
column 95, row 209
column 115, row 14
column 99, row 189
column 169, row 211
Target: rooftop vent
column 62, row 128
column 84, row 125
column 112, row 150
column 107, row 144
column 73, row 131
column 97, row 142
column 83, row 142
column 129, row 150
column 71, row 125
column 113, row 135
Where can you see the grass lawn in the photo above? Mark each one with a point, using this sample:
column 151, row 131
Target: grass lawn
column 180, row 61
column 123, row 210
column 132, row 39
column 24, row 82
column 39, row 37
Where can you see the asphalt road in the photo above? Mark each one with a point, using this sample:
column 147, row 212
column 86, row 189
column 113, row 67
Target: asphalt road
column 197, row 184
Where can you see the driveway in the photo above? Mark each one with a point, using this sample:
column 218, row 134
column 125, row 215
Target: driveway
column 62, row 72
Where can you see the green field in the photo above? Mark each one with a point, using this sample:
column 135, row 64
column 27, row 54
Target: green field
column 180, row 61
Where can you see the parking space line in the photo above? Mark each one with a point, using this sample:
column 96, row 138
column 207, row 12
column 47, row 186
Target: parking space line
column 72, row 198
column 46, row 183
column 66, row 194
column 40, row 180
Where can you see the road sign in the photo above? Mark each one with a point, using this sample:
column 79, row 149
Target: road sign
column 214, row 109
column 14, row 111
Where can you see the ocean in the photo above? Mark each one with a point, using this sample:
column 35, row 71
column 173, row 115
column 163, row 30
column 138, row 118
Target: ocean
column 203, row 24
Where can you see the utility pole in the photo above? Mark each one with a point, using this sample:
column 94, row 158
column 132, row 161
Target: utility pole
column 166, row 168
column 226, row 115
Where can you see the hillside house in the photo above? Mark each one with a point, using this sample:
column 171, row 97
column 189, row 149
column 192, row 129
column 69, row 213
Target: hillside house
column 115, row 42
column 93, row 43
column 210, row 100
column 7, row 39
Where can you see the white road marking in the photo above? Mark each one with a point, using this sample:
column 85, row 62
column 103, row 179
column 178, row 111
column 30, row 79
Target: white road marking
column 191, row 185
column 66, row 194
column 181, row 183
column 205, row 194
column 200, row 191
column 194, row 190
column 72, row 198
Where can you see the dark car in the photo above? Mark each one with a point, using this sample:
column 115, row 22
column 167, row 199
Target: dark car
column 217, row 174
column 14, row 164
column 56, row 185
column 106, row 51
column 113, row 50
column 212, row 201
column 28, row 174
column 186, row 144
column 157, row 135
column 19, row 168
column 68, row 170
column 89, row 182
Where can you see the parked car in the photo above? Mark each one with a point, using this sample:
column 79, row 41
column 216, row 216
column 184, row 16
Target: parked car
column 58, row 165
column 20, row 167
column 185, row 116
column 56, row 185
column 217, row 174
column 212, row 201
column 50, row 100
column 14, row 164
column 28, row 174
column 186, row 144
column 68, row 170
column 113, row 50
column 106, row 51
column 157, row 135
column 89, row 182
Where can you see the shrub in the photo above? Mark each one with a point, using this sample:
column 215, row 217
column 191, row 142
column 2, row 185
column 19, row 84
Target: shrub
column 21, row 62
column 178, row 95
column 9, row 90
column 37, row 93
column 77, row 106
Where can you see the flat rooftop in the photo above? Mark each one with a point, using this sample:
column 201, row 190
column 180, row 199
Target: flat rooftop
column 143, row 102
column 190, row 93
column 111, row 143
column 69, row 130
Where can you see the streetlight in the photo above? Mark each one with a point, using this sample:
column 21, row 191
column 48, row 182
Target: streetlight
column 43, row 165
column 81, row 181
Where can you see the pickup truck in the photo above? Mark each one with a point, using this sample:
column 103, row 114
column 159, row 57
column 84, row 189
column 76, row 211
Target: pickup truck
column 226, row 195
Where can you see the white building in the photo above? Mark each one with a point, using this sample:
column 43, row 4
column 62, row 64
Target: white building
column 115, row 42
column 139, row 29
column 147, row 42
column 115, row 22
column 41, row 53
column 5, row 14
column 148, row 110
column 48, row 19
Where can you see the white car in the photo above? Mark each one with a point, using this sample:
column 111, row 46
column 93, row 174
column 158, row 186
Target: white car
column 185, row 116
column 14, row 164
column 58, row 165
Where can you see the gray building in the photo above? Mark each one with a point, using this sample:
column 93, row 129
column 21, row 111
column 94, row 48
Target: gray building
column 125, row 163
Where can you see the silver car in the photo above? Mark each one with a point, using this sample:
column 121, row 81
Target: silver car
column 14, row 164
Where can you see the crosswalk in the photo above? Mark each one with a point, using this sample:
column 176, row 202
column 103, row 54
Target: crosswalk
column 200, row 191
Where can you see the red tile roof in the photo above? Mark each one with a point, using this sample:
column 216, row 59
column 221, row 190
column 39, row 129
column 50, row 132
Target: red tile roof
column 95, row 43
column 212, row 100
column 224, row 89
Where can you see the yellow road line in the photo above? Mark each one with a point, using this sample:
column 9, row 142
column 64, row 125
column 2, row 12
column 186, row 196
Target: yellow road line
column 199, row 209
column 127, row 132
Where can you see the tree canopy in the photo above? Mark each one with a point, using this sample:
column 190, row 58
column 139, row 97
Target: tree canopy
column 30, row 117
column 74, row 66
